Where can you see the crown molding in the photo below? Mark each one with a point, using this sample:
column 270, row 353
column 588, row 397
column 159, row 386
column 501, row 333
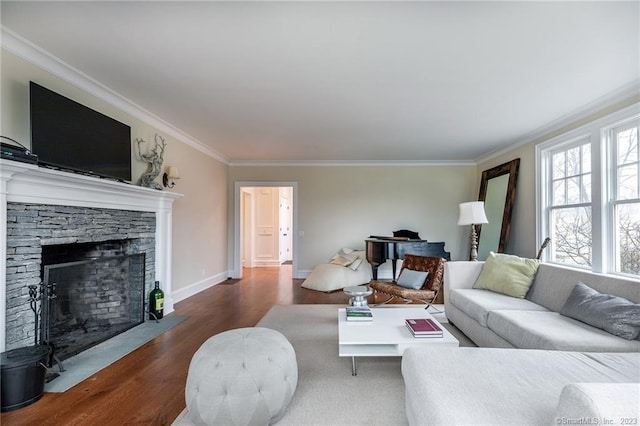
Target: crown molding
column 348, row 163
column 39, row 57
column 625, row 93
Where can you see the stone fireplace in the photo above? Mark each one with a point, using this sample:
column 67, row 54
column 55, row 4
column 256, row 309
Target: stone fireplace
column 98, row 291
column 53, row 220
column 41, row 236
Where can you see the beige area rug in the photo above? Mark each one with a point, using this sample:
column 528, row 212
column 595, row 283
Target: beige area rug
column 327, row 393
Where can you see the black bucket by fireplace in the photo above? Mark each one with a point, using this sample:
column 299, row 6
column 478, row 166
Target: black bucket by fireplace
column 92, row 301
column 23, row 371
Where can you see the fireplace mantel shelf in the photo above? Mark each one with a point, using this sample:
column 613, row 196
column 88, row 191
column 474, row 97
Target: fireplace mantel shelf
column 28, row 183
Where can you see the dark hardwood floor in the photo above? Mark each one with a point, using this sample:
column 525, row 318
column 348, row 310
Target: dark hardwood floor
column 147, row 386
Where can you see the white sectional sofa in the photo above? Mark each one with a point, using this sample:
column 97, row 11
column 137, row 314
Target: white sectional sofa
column 489, row 386
column 534, row 366
column 496, row 320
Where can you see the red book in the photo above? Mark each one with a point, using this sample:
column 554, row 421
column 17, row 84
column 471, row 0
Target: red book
column 423, row 326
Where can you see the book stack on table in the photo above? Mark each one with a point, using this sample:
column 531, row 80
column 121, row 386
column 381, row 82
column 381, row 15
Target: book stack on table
column 423, row 327
column 359, row 313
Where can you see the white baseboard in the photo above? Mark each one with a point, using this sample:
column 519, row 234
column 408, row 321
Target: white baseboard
column 303, row 273
column 258, row 263
column 385, row 275
column 199, row 286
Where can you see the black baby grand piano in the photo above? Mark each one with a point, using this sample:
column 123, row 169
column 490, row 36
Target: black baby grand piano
column 380, row 249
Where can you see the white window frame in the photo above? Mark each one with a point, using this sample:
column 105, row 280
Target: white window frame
column 548, row 190
column 608, row 136
column 598, row 133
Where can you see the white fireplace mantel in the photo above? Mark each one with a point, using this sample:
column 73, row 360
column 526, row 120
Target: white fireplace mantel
column 28, row 183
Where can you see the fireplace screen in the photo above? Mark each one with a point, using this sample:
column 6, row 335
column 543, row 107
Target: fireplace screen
column 93, row 300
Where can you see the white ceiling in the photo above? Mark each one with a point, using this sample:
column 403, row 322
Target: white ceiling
column 347, row 81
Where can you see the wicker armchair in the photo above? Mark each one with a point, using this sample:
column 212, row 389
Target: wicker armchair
column 434, row 265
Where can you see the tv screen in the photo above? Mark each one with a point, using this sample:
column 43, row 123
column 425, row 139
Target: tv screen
column 69, row 135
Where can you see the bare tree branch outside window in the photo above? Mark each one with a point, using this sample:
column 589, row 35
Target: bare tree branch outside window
column 628, row 189
column 573, row 178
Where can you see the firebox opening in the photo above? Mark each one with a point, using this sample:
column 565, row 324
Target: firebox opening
column 98, row 293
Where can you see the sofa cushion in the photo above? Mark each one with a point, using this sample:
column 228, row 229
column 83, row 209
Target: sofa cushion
column 553, row 284
column 613, row 314
column 599, row 401
column 501, row 386
column 478, row 303
column 507, row 274
column 550, row 330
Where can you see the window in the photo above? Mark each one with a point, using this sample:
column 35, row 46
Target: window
column 570, row 205
column 589, row 195
column 626, row 199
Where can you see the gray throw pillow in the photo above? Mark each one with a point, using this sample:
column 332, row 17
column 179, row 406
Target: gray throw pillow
column 613, row 314
column 412, row 279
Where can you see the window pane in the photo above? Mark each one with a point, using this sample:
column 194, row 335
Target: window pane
column 627, row 145
column 628, row 182
column 628, row 238
column 573, row 161
column 586, row 188
column 573, row 191
column 572, row 241
column 559, row 165
column 586, row 158
column 558, row 193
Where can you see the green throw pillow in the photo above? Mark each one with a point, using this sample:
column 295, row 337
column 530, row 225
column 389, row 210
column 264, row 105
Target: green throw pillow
column 507, row 274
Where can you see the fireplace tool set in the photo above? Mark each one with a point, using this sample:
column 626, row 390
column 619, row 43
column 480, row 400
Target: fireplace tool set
column 44, row 293
column 25, row 370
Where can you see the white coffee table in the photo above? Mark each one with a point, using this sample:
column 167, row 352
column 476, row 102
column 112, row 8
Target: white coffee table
column 386, row 335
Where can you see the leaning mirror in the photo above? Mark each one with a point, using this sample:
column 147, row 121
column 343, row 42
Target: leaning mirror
column 498, row 191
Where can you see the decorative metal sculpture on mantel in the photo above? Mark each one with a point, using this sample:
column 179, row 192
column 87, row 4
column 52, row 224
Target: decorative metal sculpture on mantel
column 154, row 159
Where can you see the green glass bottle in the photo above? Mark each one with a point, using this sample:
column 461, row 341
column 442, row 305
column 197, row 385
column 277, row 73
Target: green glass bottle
column 156, row 302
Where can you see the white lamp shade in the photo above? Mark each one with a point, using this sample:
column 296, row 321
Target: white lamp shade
column 173, row 172
column 472, row 213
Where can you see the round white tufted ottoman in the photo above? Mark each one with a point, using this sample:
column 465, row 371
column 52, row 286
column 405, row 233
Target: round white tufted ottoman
column 245, row 376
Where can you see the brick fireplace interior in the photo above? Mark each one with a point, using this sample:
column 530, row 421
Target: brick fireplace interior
column 99, row 293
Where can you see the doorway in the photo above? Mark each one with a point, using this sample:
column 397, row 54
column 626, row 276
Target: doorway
column 265, row 225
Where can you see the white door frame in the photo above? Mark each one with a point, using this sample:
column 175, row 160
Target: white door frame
column 237, row 213
column 246, row 229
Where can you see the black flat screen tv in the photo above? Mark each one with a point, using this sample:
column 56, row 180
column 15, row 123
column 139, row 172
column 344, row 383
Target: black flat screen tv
column 71, row 136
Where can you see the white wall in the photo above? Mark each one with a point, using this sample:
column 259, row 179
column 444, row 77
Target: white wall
column 340, row 206
column 199, row 219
